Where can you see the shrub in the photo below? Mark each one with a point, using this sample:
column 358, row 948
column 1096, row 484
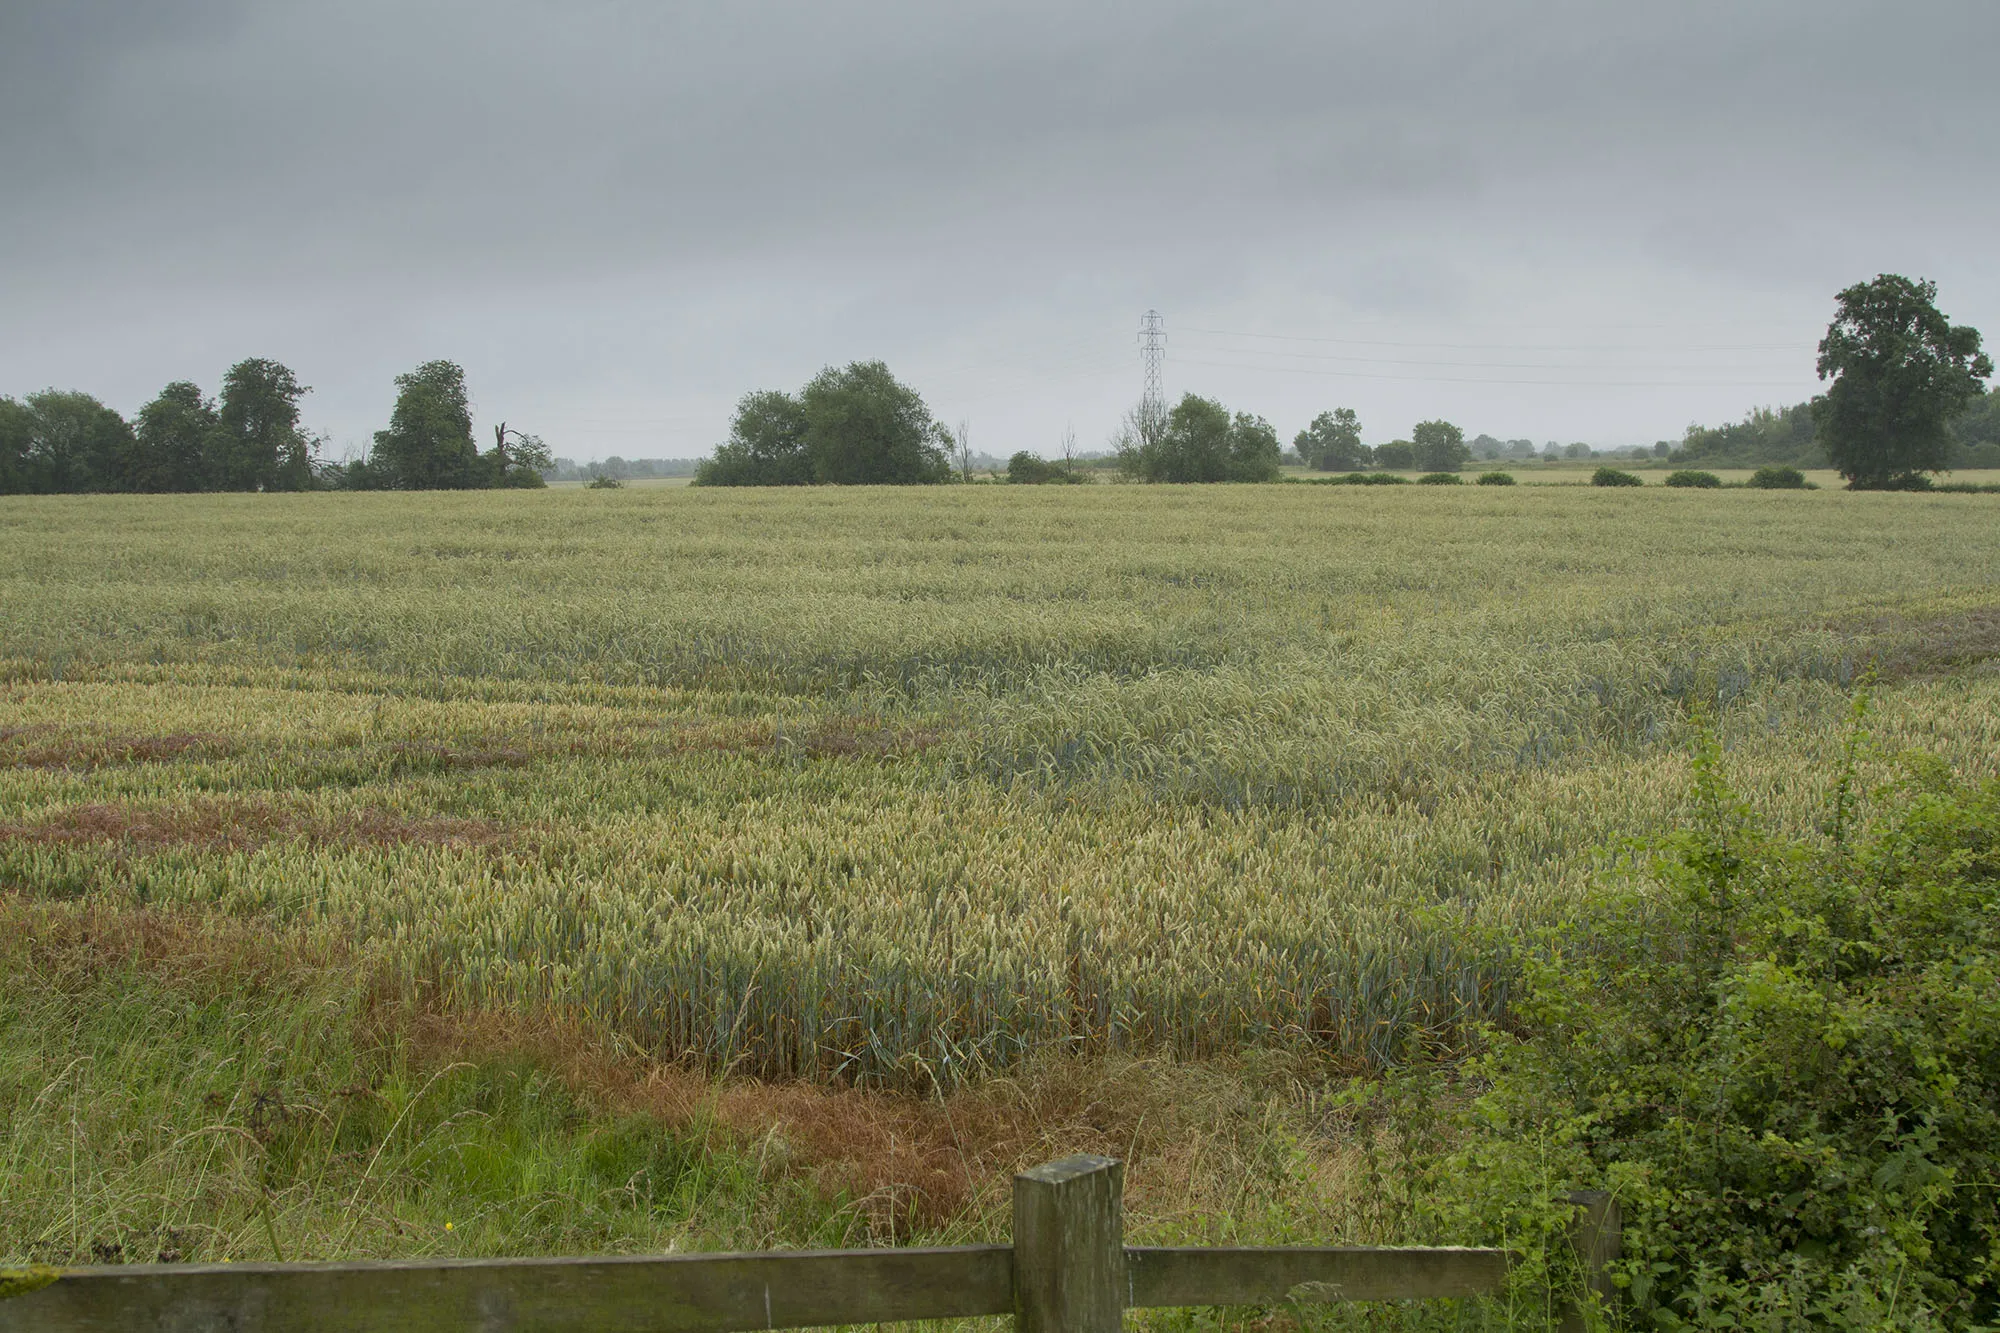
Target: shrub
column 1778, row 479
column 1362, row 479
column 1783, row 1056
column 1496, row 479
column 1706, row 481
column 1611, row 476
column 1440, row 479
column 1969, row 488
column 606, row 483
column 1026, row 469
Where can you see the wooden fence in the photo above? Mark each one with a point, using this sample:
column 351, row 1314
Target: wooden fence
column 1068, row 1271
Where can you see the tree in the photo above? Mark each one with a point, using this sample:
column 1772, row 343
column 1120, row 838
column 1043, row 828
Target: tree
column 1199, row 441
column 17, row 431
column 1901, row 371
column 1397, row 455
column 71, row 443
column 429, row 444
column 766, row 447
column 519, row 465
column 1439, row 446
column 173, row 434
column 863, row 427
column 257, row 444
column 1333, row 442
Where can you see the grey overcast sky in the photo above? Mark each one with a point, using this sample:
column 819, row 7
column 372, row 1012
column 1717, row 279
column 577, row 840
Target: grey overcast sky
column 1561, row 219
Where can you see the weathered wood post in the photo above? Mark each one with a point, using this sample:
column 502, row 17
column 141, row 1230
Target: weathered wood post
column 1595, row 1236
column 1069, row 1247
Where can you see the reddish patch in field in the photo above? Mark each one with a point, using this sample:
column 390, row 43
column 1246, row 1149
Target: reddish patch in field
column 1902, row 648
column 223, row 826
column 22, row 747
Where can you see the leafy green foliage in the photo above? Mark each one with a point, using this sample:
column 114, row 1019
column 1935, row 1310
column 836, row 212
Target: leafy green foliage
column 1611, row 476
column 1440, row 479
column 1688, row 477
column 1784, row 1056
column 1781, row 435
column 1778, row 479
column 1333, row 442
column 864, row 427
column 1026, row 469
column 1496, row 479
column 173, row 435
column 1400, row 455
column 856, row 426
column 258, row 444
column 1200, row 441
column 766, row 445
column 1901, row 371
column 1439, row 446
column 429, row 444
column 62, row 441
column 1362, row 479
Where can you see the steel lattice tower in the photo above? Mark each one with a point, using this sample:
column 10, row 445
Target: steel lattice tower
column 1153, row 353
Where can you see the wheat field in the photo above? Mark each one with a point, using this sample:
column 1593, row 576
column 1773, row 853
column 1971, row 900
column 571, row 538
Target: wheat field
column 901, row 786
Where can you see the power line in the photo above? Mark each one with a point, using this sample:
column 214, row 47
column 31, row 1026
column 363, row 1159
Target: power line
column 1511, row 347
column 1447, row 365
column 1467, row 379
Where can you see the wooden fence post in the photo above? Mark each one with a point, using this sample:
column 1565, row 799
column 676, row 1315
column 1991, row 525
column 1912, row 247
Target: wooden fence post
column 1069, row 1247
column 1595, row 1236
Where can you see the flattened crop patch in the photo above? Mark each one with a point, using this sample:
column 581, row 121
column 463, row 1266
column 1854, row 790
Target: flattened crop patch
column 242, row 826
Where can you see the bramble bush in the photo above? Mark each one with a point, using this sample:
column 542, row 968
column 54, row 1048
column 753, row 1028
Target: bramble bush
column 1782, row 1056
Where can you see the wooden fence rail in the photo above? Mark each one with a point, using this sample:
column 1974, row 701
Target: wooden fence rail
column 1068, row 1271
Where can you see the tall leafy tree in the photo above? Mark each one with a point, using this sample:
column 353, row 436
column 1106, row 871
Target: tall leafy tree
column 864, row 427
column 74, row 443
column 173, row 435
column 1901, row 371
column 1200, row 441
column 258, row 444
column 17, row 434
column 429, row 444
column 1333, row 442
column 766, row 445
column 1439, row 446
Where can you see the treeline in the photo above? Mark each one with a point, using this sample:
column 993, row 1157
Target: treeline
column 249, row 438
column 623, row 469
column 1785, row 436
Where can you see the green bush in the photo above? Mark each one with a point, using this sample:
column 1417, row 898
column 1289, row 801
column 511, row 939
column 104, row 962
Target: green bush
column 607, row 482
column 1706, row 481
column 1496, row 479
column 1611, row 476
column 1362, row 479
column 1783, row 1057
column 1440, row 479
column 1779, row 479
column 1026, row 469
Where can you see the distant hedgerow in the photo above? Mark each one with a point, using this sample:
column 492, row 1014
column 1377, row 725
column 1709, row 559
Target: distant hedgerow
column 1611, row 476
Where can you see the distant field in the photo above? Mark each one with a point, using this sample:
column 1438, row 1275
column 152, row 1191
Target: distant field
column 902, row 784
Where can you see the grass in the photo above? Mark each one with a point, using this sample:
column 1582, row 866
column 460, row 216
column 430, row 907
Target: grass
column 1203, row 795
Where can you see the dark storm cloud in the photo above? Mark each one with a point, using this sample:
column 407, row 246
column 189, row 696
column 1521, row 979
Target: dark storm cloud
column 619, row 216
